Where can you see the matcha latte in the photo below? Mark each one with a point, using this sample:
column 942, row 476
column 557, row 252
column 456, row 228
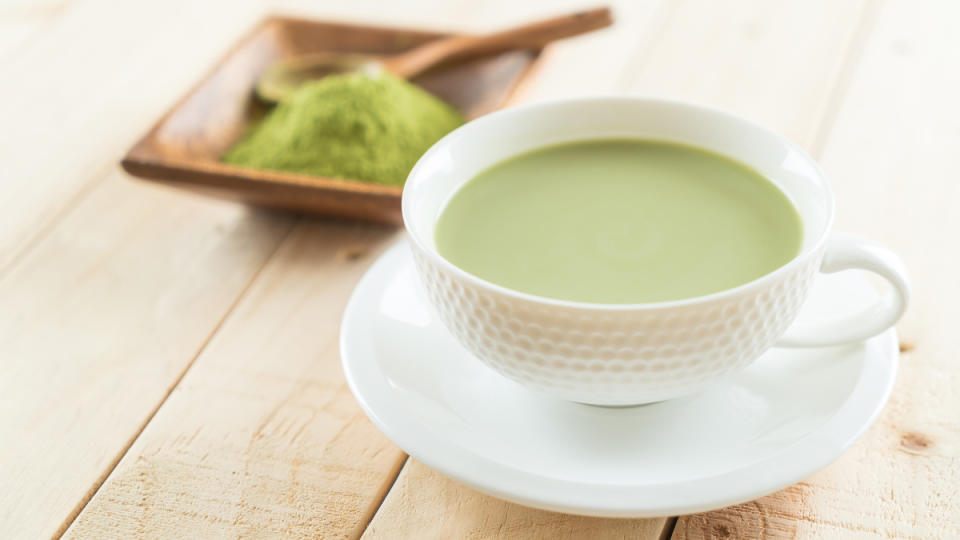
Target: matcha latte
column 619, row 221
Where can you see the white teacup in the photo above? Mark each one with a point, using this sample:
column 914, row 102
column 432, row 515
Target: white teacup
column 624, row 354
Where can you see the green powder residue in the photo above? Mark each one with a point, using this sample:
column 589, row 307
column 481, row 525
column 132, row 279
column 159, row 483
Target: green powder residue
column 355, row 126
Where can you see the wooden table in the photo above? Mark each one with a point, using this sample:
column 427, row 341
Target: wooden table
column 168, row 363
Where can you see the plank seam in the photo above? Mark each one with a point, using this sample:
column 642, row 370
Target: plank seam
column 668, row 527
column 650, row 34
column 845, row 76
column 386, row 491
column 102, row 479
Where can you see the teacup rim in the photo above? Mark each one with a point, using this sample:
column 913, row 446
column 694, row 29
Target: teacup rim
column 699, row 108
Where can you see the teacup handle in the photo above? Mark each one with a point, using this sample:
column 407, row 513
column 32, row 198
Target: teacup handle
column 846, row 252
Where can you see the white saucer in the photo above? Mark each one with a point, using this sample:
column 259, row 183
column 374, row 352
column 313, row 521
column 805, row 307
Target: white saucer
column 788, row 415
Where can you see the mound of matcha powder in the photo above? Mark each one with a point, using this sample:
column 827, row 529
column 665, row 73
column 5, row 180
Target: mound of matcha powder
column 356, row 126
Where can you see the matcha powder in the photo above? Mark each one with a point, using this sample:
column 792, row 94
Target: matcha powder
column 356, row 126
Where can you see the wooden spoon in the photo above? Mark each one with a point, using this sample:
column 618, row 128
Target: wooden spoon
column 282, row 78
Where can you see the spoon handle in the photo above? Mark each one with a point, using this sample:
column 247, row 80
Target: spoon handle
column 529, row 36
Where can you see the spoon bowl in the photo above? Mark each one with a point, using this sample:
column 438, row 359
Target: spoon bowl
column 283, row 77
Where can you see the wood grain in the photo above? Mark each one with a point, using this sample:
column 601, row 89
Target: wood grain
column 22, row 20
column 600, row 58
column 107, row 290
column 96, row 326
column 262, row 437
column 433, row 506
column 777, row 63
column 891, row 156
column 688, row 38
column 124, row 62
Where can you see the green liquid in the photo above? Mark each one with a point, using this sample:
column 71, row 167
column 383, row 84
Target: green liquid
column 619, row 221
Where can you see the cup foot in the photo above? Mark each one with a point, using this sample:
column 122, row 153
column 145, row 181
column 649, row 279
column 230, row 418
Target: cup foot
column 628, row 406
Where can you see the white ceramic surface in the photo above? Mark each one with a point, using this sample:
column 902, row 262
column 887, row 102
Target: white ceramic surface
column 787, row 415
column 640, row 353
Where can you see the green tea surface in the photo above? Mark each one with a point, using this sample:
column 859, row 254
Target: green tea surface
column 619, row 221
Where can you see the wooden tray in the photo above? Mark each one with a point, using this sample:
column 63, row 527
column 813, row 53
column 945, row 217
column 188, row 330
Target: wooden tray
column 183, row 147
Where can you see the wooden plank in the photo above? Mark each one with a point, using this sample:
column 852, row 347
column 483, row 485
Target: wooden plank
column 774, row 62
column 433, row 506
column 262, row 437
column 76, row 96
column 98, row 323
column 22, row 20
column 892, row 158
column 593, row 63
column 101, row 319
